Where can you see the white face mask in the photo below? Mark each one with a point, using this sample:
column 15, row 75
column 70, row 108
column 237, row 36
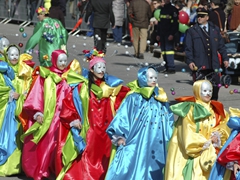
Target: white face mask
column 100, row 67
column 4, row 43
column 13, row 53
column 62, row 61
column 206, row 89
column 151, row 77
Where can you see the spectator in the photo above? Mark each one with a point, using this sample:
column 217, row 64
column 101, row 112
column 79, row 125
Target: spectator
column 202, row 47
column 217, row 15
column 232, row 11
column 139, row 13
column 154, row 22
column 33, row 6
column 167, row 28
column 56, row 12
column 118, row 10
column 103, row 15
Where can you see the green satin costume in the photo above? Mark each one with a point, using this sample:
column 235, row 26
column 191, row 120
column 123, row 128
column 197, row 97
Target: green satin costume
column 50, row 35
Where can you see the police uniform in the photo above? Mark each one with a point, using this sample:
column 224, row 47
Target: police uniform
column 201, row 48
column 168, row 25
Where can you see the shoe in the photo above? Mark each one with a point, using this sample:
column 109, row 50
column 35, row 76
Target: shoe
column 141, row 56
column 136, row 55
column 170, row 72
column 164, row 71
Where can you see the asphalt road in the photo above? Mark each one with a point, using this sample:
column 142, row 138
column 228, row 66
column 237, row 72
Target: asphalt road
column 122, row 64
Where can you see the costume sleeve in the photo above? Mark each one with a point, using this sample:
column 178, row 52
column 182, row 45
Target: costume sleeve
column 130, row 12
column 35, row 38
column 231, row 153
column 175, row 22
column 65, row 35
column 35, row 99
column 223, row 129
column 121, row 95
column 6, row 69
column 189, row 47
column 68, row 112
column 121, row 123
column 4, row 95
column 221, row 46
column 112, row 17
column 168, row 127
column 89, row 11
column 192, row 142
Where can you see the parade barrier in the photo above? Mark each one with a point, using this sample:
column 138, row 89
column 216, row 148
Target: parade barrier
column 23, row 12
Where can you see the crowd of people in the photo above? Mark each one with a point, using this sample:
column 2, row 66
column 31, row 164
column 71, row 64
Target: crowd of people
column 61, row 121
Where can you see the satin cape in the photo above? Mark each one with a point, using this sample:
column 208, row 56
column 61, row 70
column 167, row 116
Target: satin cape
column 187, row 160
column 145, row 121
column 95, row 113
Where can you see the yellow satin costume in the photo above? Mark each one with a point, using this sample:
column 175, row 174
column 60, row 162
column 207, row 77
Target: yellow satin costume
column 187, row 159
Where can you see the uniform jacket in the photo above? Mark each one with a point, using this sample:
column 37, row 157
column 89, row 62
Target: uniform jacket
column 139, row 13
column 196, row 49
column 103, row 13
column 168, row 24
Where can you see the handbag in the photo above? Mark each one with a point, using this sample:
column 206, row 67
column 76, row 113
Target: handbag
column 223, row 34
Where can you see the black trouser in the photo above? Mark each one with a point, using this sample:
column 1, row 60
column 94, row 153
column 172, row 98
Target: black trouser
column 210, row 75
column 100, row 44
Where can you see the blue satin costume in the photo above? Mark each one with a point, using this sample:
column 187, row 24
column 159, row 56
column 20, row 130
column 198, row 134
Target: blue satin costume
column 146, row 124
column 8, row 124
column 218, row 171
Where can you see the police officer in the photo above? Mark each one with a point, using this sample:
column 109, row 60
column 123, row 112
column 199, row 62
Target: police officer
column 202, row 44
column 167, row 28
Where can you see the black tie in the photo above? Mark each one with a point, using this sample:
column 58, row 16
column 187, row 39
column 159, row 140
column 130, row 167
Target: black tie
column 205, row 29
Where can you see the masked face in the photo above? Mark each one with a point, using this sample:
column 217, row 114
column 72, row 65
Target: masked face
column 206, row 91
column 62, row 61
column 13, row 55
column 151, row 77
column 99, row 70
column 4, row 43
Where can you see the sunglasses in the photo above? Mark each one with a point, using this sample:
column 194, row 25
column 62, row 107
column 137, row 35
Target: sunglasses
column 201, row 15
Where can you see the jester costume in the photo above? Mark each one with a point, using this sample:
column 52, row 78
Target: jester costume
column 10, row 126
column 145, row 121
column 46, row 95
column 96, row 111
column 230, row 152
column 50, row 35
column 191, row 154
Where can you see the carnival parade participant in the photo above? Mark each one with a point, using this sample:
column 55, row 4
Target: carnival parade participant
column 199, row 134
column 41, row 111
column 141, row 130
column 4, row 43
column 89, row 108
column 49, row 34
column 227, row 165
column 15, row 80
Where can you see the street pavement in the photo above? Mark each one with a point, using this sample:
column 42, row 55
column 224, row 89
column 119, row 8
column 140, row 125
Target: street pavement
column 121, row 63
